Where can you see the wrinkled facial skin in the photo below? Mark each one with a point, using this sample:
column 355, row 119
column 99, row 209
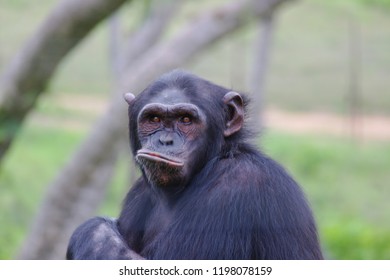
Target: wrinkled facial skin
column 169, row 129
column 172, row 137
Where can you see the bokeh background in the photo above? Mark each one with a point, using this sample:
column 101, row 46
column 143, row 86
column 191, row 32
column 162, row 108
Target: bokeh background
column 322, row 102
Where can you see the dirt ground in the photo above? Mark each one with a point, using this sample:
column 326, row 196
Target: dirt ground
column 362, row 127
column 84, row 110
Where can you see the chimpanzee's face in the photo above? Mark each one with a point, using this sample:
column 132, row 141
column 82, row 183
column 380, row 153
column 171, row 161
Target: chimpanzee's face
column 178, row 124
column 170, row 131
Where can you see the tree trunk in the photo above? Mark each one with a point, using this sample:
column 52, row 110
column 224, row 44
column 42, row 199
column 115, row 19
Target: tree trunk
column 29, row 73
column 354, row 95
column 59, row 201
column 89, row 187
column 260, row 65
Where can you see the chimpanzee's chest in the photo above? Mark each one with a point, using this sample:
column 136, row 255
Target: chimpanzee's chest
column 159, row 221
column 172, row 229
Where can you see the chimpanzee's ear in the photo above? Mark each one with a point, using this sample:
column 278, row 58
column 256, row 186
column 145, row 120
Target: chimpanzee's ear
column 129, row 98
column 235, row 117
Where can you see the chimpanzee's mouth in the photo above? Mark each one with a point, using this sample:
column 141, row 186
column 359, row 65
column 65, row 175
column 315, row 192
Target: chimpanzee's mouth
column 145, row 154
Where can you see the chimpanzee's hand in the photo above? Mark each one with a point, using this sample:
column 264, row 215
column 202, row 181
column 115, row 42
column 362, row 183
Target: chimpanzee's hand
column 99, row 239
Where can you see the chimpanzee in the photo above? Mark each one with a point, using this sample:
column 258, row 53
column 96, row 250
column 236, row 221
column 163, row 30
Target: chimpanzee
column 205, row 191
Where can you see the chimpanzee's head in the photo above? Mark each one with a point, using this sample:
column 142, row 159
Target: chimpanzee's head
column 178, row 124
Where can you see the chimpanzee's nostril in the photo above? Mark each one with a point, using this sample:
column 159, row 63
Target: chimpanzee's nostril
column 166, row 139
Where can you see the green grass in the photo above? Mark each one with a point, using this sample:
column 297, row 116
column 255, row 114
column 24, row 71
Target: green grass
column 345, row 182
column 29, row 167
column 347, row 185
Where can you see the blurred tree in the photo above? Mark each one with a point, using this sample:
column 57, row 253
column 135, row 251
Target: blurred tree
column 257, row 77
column 93, row 177
column 77, row 190
column 29, row 73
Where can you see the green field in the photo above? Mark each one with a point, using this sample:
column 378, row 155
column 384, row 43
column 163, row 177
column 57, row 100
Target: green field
column 346, row 180
column 347, row 185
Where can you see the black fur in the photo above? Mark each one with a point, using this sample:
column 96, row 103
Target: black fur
column 239, row 203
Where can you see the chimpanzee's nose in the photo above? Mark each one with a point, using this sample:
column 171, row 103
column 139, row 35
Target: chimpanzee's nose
column 166, row 139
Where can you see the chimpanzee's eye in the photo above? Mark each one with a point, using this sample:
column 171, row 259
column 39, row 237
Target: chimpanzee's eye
column 155, row 119
column 186, row 120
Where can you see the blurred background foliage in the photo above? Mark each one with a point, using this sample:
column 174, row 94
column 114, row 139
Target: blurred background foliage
column 344, row 176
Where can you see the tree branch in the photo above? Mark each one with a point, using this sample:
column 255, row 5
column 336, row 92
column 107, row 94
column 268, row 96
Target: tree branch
column 84, row 193
column 150, row 33
column 29, row 73
column 110, row 128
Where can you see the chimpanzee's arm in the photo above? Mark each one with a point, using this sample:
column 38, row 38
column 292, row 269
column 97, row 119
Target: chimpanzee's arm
column 99, row 239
